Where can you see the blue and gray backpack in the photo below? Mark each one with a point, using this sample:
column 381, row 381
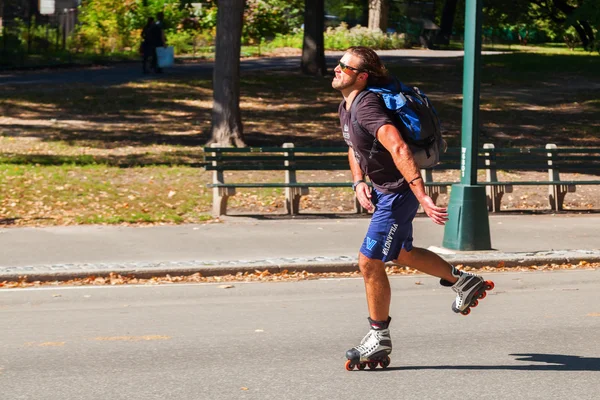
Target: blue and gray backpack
column 415, row 118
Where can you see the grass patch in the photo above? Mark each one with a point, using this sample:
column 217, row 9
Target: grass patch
column 68, row 194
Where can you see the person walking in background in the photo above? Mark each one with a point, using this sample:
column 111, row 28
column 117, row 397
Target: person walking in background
column 146, row 48
column 376, row 149
column 156, row 38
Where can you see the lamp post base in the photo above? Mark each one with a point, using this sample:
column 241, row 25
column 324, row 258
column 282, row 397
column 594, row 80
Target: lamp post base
column 468, row 226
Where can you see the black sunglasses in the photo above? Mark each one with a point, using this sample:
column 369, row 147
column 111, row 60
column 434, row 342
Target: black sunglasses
column 344, row 67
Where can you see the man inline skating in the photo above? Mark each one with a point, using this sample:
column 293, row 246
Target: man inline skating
column 377, row 150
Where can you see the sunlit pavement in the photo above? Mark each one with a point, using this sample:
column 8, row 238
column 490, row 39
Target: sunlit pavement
column 533, row 337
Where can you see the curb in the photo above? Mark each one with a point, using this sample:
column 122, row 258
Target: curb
column 216, row 268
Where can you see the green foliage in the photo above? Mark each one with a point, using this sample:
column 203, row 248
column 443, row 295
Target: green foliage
column 189, row 41
column 571, row 38
column 590, row 12
column 21, row 37
column 108, row 26
column 265, row 19
column 352, row 11
column 537, row 22
column 340, row 38
column 293, row 40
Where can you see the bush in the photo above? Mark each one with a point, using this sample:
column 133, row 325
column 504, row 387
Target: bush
column 19, row 36
column 291, row 40
column 265, row 19
column 341, row 38
column 189, row 41
column 182, row 41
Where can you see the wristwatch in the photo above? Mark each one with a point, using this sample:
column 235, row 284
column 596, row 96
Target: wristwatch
column 355, row 184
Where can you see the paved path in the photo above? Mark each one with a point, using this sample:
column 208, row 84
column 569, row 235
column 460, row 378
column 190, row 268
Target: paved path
column 534, row 337
column 241, row 243
column 124, row 73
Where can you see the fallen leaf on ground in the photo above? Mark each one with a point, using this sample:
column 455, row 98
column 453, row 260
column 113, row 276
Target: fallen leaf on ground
column 285, row 276
column 226, row 286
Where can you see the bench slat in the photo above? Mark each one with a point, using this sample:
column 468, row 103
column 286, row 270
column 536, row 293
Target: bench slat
column 250, row 159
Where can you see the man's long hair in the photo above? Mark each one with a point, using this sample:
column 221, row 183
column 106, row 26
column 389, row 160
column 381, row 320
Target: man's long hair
column 371, row 63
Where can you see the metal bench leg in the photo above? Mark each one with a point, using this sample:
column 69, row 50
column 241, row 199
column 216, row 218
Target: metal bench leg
column 556, row 195
column 358, row 208
column 495, row 194
column 435, row 190
column 220, row 197
column 292, row 199
column 295, row 204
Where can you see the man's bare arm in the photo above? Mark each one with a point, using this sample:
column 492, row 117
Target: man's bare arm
column 363, row 192
column 391, row 139
column 357, row 173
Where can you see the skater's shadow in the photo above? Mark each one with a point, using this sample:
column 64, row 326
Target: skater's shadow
column 547, row 362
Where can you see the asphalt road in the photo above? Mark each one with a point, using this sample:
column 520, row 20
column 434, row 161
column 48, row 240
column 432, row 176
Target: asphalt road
column 534, row 337
column 123, row 73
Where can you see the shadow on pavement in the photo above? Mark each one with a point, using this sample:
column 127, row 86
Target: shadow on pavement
column 549, row 362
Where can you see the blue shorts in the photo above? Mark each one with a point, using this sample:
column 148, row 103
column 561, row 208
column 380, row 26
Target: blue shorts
column 391, row 225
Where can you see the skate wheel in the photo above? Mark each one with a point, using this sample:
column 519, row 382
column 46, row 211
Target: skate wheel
column 349, row 365
column 385, row 362
column 489, row 285
column 482, row 295
column 362, row 366
column 466, row 311
column 372, row 364
column 474, row 303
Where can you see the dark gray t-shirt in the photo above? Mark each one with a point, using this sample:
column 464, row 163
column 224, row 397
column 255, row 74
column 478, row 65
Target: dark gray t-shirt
column 374, row 160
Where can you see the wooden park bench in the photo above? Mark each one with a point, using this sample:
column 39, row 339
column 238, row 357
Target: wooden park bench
column 290, row 159
column 552, row 159
column 549, row 159
column 287, row 158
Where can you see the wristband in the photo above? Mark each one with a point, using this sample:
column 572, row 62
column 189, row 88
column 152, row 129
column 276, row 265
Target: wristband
column 416, row 179
column 355, row 184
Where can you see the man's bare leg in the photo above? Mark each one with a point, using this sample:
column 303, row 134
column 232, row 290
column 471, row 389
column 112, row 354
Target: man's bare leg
column 377, row 287
column 376, row 346
column 428, row 262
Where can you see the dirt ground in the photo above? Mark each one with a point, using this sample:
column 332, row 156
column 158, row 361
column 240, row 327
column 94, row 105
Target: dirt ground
column 528, row 199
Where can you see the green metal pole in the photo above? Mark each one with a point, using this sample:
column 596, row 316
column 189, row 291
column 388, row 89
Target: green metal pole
column 468, row 226
column 471, row 88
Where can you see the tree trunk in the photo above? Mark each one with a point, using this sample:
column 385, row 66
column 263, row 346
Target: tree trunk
column 226, row 116
column 447, row 22
column 588, row 30
column 582, row 34
column 582, row 27
column 313, row 47
column 378, row 15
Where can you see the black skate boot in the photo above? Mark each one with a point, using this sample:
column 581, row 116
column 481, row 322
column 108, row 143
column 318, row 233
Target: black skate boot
column 470, row 288
column 373, row 350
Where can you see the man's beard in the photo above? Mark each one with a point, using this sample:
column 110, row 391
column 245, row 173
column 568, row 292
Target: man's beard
column 338, row 84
